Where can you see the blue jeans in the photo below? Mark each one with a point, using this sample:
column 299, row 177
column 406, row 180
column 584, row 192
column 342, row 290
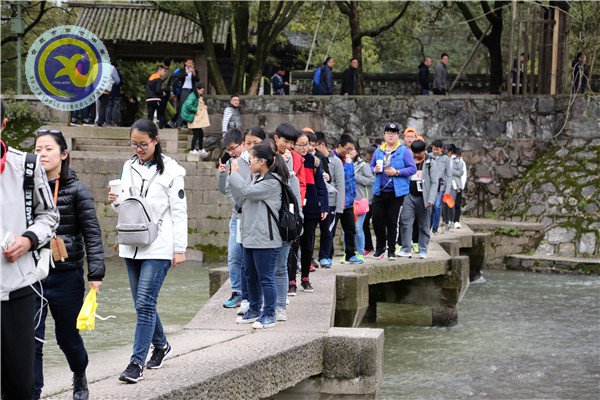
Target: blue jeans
column 437, row 212
column 360, row 234
column 234, row 260
column 64, row 290
column 145, row 280
column 281, row 275
column 424, row 92
column 260, row 273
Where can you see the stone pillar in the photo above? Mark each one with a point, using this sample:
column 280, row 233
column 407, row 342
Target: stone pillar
column 352, row 361
column 352, row 298
column 477, row 254
column 217, row 277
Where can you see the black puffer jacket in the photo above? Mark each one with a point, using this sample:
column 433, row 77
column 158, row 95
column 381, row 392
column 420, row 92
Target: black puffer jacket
column 79, row 223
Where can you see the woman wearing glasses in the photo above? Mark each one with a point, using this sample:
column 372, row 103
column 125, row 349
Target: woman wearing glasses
column 77, row 236
column 160, row 179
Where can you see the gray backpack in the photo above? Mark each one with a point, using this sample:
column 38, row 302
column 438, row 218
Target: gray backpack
column 135, row 225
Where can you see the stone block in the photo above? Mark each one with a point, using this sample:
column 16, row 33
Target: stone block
column 352, row 359
column 587, row 243
column 217, row 277
column 352, row 298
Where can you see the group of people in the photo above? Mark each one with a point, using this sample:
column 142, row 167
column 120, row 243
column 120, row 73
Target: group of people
column 52, row 220
column 398, row 182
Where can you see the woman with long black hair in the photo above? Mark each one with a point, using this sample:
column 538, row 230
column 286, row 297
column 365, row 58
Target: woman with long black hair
column 159, row 179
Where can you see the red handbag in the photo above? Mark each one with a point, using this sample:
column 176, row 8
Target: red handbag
column 361, row 206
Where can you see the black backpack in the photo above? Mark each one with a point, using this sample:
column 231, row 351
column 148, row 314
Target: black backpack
column 289, row 221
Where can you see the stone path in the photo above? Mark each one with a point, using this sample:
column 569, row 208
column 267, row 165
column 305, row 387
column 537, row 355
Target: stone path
column 213, row 357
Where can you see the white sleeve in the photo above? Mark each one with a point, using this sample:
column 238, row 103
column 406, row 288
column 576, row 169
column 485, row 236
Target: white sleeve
column 226, row 117
column 178, row 207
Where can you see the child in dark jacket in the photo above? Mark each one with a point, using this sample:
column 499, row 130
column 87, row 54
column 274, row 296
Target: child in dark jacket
column 154, row 91
column 316, row 206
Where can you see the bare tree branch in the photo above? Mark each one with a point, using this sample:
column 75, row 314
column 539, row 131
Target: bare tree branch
column 377, row 31
column 466, row 12
column 33, row 23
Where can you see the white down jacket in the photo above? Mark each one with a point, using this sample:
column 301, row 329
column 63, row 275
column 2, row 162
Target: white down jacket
column 165, row 193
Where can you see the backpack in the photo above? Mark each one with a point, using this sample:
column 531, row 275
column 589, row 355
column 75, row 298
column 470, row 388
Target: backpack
column 289, row 221
column 177, row 82
column 316, row 80
column 135, row 225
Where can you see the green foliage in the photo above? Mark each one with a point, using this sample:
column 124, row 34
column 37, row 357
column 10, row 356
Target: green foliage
column 512, row 231
column 23, row 122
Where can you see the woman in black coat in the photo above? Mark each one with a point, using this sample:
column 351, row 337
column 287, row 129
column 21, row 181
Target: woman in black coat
column 64, row 288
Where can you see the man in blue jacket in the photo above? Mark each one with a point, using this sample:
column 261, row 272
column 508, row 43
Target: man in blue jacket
column 325, row 86
column 392, row 165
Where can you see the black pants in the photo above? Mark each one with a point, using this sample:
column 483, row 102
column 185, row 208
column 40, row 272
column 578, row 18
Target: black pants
column 293, row 260
column 17, row 347
column 458, row 206
column 348, row 226
column 102, row 105
column 152, row 107
column 65, row 291
column 113, row 111
column 162, row 110
column 307, row 242
column 180, row 100
column 386, row 208
column 439, row 91
column 326, row 227
column 198, row 137
column 367, row 230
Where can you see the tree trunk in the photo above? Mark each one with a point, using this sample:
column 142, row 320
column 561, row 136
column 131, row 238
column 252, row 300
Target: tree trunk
column 356, row 36
column 493, row 42
column 207, row 27
column 241, row 18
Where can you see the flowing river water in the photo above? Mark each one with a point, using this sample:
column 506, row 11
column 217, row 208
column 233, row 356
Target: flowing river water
column 520, row 336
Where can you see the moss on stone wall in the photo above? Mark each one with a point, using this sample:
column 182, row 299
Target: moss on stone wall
column 561, row 190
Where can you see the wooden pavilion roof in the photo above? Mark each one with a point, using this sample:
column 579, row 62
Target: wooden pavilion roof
column 141, row 23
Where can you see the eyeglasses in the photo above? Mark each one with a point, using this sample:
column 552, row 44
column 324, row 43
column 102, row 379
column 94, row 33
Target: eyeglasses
column 230, row 149
column 49, row 131
column 255, row 159
column 302, row 145
column 141, row 146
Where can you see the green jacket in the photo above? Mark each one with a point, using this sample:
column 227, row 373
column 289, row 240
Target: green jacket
column 189, row 108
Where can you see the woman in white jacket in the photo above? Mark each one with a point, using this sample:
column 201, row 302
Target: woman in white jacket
column 161, row 178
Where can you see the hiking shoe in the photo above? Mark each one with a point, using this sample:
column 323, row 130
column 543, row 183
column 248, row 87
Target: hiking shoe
column 280, row 314
column 292, row 289
column 416, row 248
column 306, row 286
column 80, row 387
column 356, row 260
column 360, row 258
column 244, row 307
column 133, row 373
column 264, row 322
column 158, row 356
column 234, row 301
column 325, row 263
column 422, row 255
column 405, row 254
column 391, row 256
column 248, row 318
column 379, row 254
column 397, row 250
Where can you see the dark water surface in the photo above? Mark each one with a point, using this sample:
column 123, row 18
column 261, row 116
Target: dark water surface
column 520, row 336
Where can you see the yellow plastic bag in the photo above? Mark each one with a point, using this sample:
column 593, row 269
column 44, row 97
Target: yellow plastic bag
column 87, row 316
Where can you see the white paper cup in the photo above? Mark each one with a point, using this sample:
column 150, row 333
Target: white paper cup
column 115, row 187
column 379, row 163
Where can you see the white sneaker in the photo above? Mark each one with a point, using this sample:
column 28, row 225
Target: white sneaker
column 457, row 225
column 244, row 306
column 280, row 314
column 203, row 152
column 194, row 151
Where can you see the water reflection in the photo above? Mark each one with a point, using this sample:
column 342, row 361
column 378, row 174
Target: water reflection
column 184, row 291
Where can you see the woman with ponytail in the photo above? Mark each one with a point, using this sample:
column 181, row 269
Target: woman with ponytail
column 261, row 196
column 159, row 179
